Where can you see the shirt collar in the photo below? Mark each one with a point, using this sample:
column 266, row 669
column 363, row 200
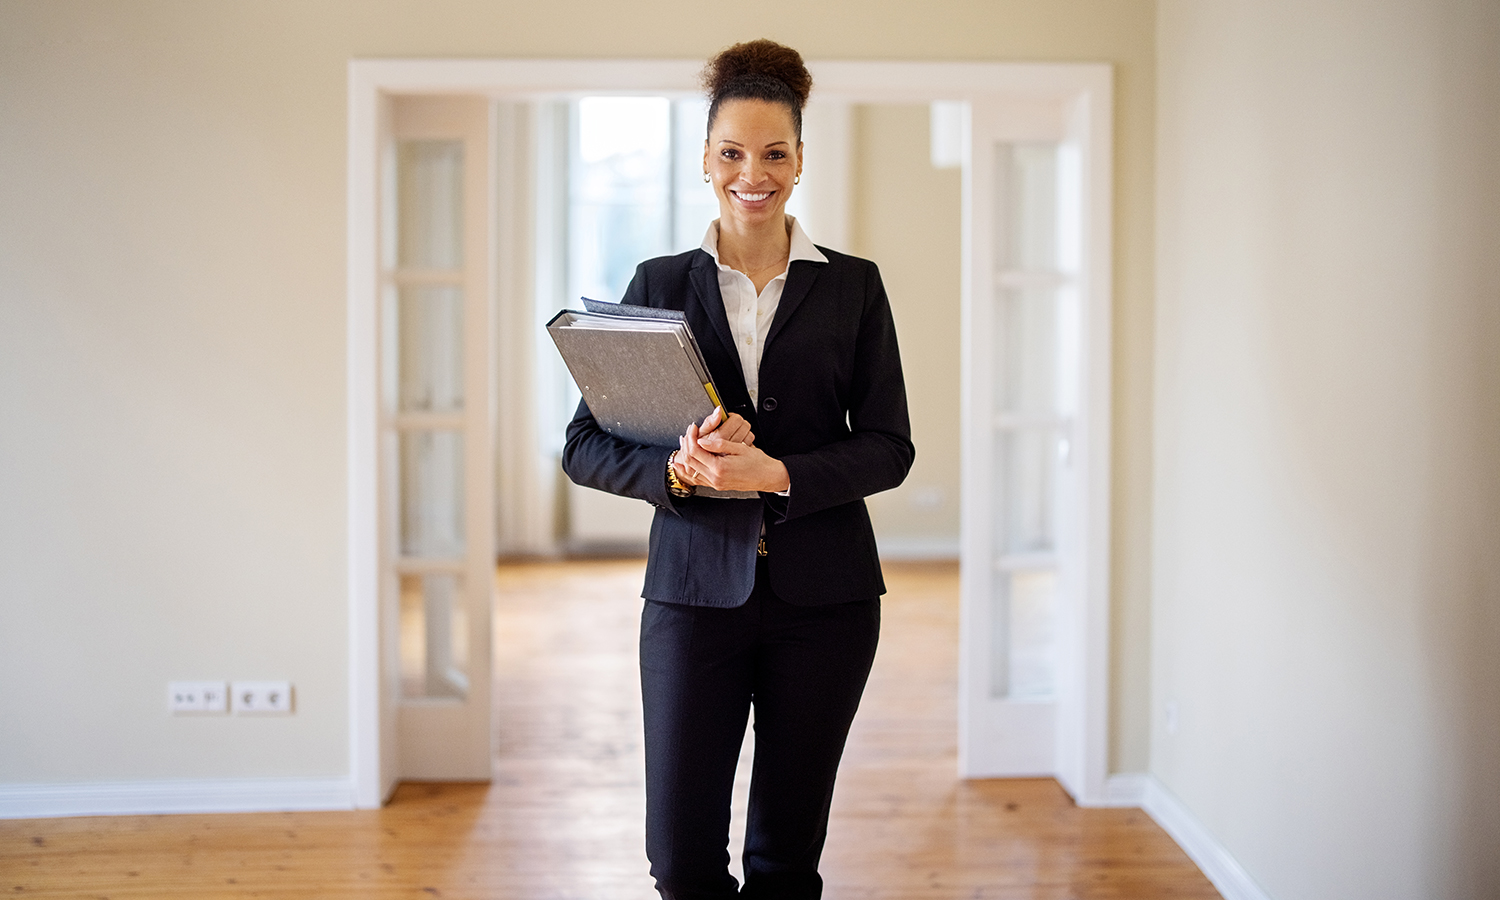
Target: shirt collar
column 802, row 246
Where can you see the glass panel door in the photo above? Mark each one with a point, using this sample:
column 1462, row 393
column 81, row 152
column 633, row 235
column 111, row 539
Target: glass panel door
column 429, row 374
column 437, row 435
column 1032, row 415
column 1025, row 445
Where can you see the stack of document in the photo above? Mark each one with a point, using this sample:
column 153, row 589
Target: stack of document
column 639, row 369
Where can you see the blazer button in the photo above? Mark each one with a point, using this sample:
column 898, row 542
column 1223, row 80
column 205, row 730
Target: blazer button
column 768, row 404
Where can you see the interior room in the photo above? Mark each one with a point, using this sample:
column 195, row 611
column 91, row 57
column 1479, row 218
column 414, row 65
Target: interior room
column 1265, row 647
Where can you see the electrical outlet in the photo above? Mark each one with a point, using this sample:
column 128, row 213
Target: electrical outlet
column 196, row 697
column 261, row 697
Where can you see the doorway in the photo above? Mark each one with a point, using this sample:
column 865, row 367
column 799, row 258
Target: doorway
column 998, row 107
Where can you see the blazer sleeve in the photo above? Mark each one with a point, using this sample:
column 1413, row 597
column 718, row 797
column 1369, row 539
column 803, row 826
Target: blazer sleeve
column 595, row 458
column 874, row 452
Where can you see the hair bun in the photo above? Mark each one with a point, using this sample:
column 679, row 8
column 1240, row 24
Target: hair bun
column 754, row 60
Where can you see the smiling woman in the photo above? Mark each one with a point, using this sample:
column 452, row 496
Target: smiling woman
column 753, row 154
column 765, row 593
column 752, row 158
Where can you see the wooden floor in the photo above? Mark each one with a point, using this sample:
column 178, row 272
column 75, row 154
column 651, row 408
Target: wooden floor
column 562, row 820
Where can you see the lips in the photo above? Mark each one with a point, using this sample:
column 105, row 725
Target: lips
column 755, row 197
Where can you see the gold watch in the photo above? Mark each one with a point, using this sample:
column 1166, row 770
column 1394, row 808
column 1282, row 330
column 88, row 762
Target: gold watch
column 675, row 485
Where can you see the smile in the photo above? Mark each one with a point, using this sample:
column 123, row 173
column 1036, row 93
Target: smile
column 752, row 198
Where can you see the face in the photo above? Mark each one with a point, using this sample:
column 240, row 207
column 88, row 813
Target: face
column 752, row 157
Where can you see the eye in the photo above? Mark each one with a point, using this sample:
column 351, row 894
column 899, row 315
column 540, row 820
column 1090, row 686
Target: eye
column 729, row 153
column 776, row 154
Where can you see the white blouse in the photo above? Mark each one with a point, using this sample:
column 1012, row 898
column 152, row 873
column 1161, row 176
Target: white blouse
column 750, row 314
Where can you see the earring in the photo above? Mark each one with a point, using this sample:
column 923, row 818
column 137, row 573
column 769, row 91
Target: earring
column 797, row 179
column 705, row 178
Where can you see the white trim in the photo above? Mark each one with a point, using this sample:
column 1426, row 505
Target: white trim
column 370, row 757
column 1127, row 790
column 1093, row 121
column 856, row 81
column 141, row 798
column 1212, row 857
column 919, row 549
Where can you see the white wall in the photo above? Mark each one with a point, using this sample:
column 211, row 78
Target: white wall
column 1326, row 612
column 172, row 339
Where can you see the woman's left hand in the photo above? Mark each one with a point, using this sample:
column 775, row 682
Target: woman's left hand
column 726, row 465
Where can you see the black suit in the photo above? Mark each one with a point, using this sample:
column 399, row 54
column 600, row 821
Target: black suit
column 794, row 630
column 831, row 352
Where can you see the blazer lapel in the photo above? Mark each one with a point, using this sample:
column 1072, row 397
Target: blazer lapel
column 799, row 280
column 718, row 348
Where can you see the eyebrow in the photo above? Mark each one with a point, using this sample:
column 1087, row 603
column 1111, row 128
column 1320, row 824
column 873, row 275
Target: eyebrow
column 738, row 144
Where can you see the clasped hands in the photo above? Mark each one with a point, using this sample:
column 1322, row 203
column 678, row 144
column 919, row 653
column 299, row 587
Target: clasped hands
column 720, row 453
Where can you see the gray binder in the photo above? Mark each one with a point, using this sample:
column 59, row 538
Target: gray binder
column 639, row 369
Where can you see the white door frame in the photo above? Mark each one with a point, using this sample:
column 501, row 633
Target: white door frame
column 1085, row 89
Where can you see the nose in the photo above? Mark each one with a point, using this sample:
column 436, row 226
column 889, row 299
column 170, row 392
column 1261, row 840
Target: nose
column 751, row 171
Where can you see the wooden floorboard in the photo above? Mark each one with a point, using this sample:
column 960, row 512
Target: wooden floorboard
column 562, row 819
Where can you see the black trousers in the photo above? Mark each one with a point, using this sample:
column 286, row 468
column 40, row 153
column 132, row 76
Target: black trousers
column 803, row 669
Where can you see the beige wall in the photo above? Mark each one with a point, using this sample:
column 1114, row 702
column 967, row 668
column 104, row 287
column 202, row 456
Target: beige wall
column 1327, row 583
column 907, row 217
column 172, row 338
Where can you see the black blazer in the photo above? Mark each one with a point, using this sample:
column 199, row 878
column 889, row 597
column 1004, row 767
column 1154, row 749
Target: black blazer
column 832, row 409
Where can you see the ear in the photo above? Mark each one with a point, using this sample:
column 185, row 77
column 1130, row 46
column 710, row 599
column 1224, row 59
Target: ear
column 799, row 159
column 705, row 156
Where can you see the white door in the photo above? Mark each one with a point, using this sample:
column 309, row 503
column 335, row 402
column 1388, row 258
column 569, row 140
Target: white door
column 1035, row 420
column 436, row 475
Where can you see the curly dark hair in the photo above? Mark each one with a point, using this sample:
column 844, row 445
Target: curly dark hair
column 758, row 70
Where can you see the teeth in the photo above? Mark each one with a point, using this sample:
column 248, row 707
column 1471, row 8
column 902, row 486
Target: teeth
column 754, row 198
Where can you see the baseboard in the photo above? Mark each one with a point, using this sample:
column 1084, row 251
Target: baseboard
column 40, row 801
column 1128, row 789
column 1231, row 879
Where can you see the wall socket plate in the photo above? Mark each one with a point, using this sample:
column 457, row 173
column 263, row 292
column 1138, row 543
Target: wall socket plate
column 254, row 697
column 197, row 697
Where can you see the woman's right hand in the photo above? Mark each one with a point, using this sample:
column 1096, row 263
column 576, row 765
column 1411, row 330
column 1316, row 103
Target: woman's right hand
column 732, row 429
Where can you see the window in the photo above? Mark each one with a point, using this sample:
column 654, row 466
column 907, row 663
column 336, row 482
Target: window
column 635, row 188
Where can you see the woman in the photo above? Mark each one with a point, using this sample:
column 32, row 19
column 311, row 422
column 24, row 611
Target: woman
column 768, row 597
